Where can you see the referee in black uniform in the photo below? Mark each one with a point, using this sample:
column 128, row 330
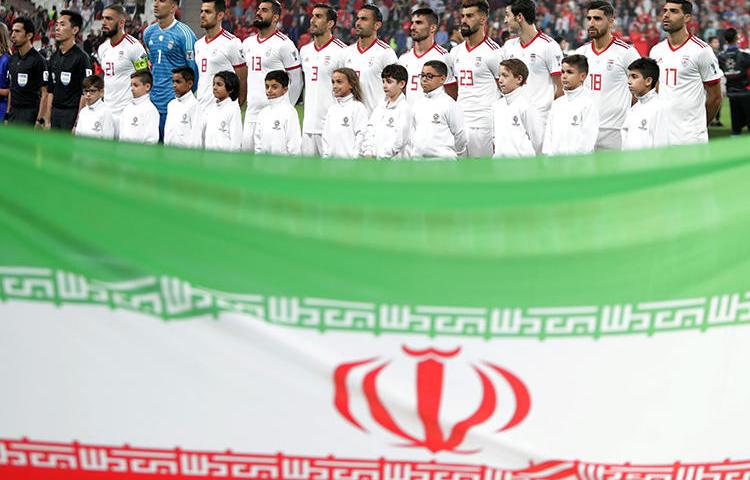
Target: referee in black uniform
column 68, row 67
column 28, row 76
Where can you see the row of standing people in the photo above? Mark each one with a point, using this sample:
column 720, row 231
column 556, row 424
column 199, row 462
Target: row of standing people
column 689, row 88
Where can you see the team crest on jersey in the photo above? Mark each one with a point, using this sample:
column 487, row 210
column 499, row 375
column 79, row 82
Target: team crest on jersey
column 268, row 53
column 134, row 123
column 643, row 126
column 370, row 61
column 65, row 78
column 97, row 126
column 532, row 57
column 276, row 125
column 185, row 120
column 326, row 60
column 390, row 122
column 121, row 53
column 685, row 60
column 575, row 123
column 223, row 127
column 610, row 65
column 478, row 61
column 345, row 122
column 435, row 118
column 170, row 44
column 161, row 37
column 515, row 121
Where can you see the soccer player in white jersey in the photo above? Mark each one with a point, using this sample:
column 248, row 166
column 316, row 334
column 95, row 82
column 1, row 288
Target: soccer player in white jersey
column 216, row 52
column 319, row 59
column 476, row 64
column 608, row 58
column 264, row 52
column 368, row 56
column 689, row 76
column 120, row 55
column 424, row 24
column 540, row 53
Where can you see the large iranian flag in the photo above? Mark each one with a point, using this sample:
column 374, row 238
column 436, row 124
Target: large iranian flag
column 171, row 314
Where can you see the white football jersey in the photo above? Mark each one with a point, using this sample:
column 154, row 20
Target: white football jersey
column 543, row 58
column 318, row 66
column 117, row 62
column 223, row 52
column 369, row 64
column 276, row 52
column 476, row 70
column 608, row 80
column 683, row 72
column 414, row 63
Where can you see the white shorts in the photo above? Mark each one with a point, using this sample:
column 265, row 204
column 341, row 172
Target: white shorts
column 479, row 142
column 609, row 139
column 248, row 137
column 312, row 144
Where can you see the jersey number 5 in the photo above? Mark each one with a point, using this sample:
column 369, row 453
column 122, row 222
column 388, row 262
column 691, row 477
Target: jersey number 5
column 414, row 82
column 466, row 78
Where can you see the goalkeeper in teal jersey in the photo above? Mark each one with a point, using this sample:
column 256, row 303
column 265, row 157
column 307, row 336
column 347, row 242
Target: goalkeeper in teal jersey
column 170, row 44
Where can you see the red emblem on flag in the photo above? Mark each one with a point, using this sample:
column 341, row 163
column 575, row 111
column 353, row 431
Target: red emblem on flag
column 429, row 378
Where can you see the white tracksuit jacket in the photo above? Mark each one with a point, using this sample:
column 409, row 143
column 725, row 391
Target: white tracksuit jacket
column 223, row 126
column 646, row 125
column 139, row 121
column 277, row 129
column 438, row 129
column 572, row 124
column 518, row 126
column 96, row 121
column 184, row 125
column 344, row 128
column 389, row 130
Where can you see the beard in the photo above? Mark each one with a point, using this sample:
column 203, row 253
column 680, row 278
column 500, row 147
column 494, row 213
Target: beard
column 109, row 33
column 418, row 38
column 261, row 24
column 594, row 34
column 672, row 28
column 467, row 31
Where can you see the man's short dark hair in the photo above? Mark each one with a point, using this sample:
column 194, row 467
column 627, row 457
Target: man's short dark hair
column 275, row 6
column 605, row 7
column 396, row 72
column 730, row 35
column 647, row 67
column 330, row 12
column 280, row 76
column 432, row 17
column 144, row 76
column 687, row 5
column 76, row 19
column 28, row 25
column 525, row 8
column 117, row 8
column 220, row 5
column 481, row 5
column 375, row 11
column 440, row 67
column 578, row 62
column 187, row 73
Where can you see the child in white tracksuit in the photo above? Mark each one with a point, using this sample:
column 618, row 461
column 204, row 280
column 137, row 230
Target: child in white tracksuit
column 223, row 122
column 95, row 119
column 518, row 128
column 345, row 123
column 645, row 125
column 389, row 127
column 573, row 121
column 139, row 121
column 184, row 124
column 437, row 121
column 277, row 129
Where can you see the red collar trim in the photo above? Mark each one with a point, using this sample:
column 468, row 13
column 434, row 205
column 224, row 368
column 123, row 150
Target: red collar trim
column 674, row 49
column 257, row 37
column 119, row 41
column 538, row 34
column 221, row 30
column 468, row 48
column 593, row 47
column 426, row 52
column 325, row 45
column 366, row 49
